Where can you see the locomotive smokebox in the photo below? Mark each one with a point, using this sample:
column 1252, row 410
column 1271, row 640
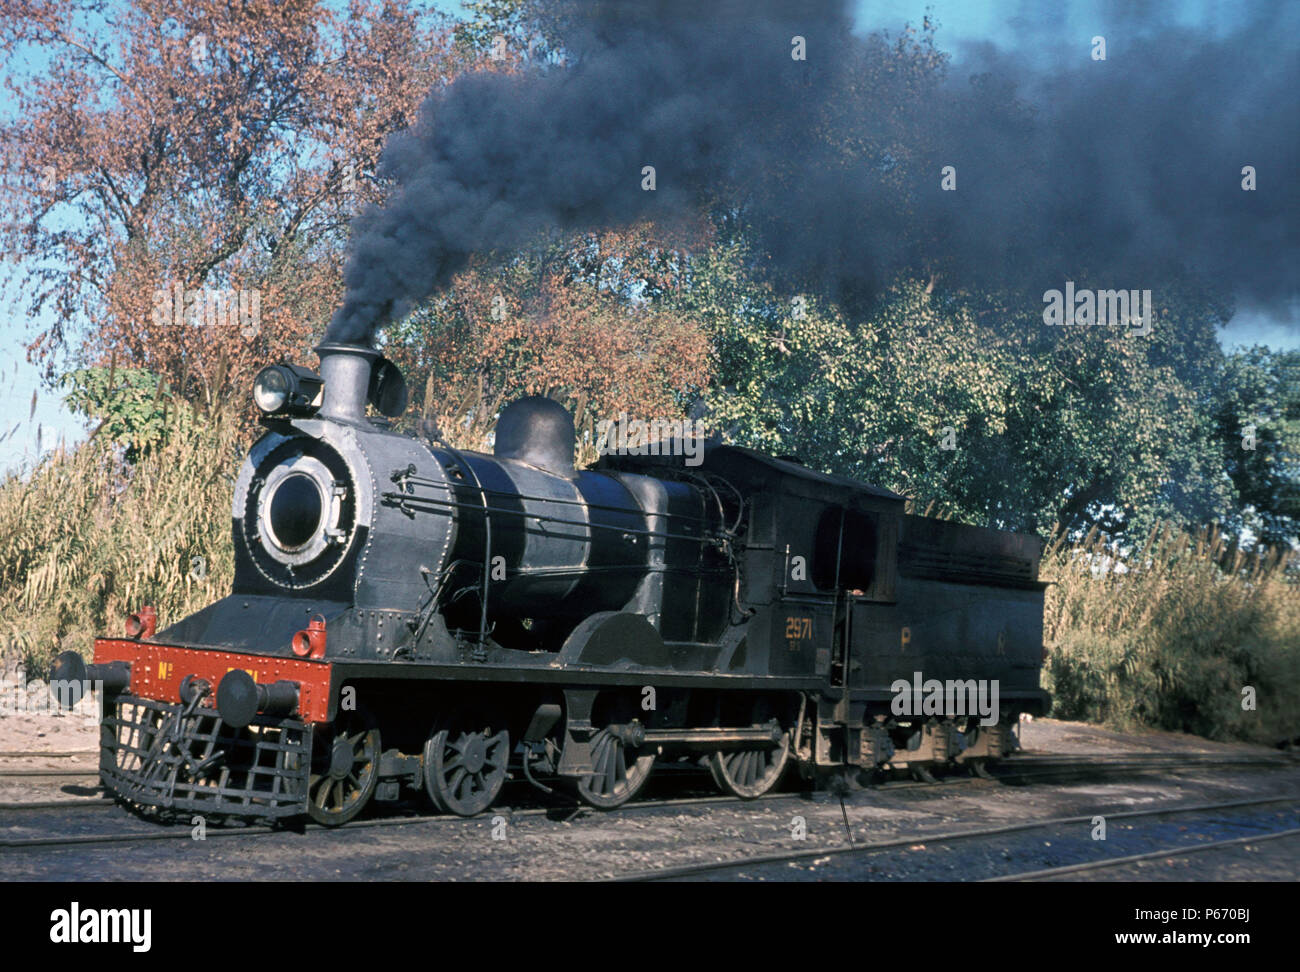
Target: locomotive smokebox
column 346, row 370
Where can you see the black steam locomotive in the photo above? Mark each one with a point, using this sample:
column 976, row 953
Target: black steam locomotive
column 405, row 614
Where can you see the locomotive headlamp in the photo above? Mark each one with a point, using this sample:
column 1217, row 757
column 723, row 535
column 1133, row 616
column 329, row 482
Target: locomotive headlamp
column 287, row 389
column 271, row 389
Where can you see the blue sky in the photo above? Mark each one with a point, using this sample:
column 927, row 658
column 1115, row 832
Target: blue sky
column 1067, row 25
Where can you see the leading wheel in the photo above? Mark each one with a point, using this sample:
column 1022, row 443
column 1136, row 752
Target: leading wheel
column 465, row 770
column 344, row 772
column 618, row 772
column 749, row 773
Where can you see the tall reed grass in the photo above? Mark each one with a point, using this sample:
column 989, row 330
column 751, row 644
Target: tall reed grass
column 1182, row 632
column 86, row 539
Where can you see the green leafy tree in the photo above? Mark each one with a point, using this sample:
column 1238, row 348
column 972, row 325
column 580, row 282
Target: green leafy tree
column 1256, row 416
column 968, row 400
column 131, row 405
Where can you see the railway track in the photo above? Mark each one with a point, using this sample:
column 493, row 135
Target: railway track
column 517, row 785
column 1022, row 769
column 930, row 841
column 182, row 832
column 1013, row 769
column 1081, row 767
column 94, row 803
column 1158, row 855
column 1006, row 769
column 91, row 772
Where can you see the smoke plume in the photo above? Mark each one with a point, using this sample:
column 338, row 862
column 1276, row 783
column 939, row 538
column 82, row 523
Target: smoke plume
column 1123, row 171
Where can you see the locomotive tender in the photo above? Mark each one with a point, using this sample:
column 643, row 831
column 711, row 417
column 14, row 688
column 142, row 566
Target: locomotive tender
column 406, row 614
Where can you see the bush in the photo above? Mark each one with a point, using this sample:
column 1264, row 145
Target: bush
column 1169, row 636
column 87, row 537
column 131, row 405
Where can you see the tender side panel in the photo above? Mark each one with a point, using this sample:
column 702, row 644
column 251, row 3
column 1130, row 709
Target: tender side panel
column 950, row 631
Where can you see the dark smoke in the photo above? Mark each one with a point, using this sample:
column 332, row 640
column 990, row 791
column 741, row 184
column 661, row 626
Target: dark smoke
column 1125, row 171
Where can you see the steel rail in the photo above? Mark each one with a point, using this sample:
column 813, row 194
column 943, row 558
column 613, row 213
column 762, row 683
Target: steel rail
column 692, row 870
column 184, row 832
column 576, row 809
column 1049, row 872
column 26, row 773
column 101, row 803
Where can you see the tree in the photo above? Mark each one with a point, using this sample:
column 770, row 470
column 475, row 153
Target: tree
column 966, row 400
column 1256, row 416
column 580, row 319
column 130, row 404
column 213, row 146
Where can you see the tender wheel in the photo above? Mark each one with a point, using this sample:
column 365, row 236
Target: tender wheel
column 921, row 773
column 343, row 773
column 464, row 771
column 618, row 772
column 750, row 773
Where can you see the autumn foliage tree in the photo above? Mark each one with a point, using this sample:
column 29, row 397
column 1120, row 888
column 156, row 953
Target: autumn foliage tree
column 226, row 144
column 581, row 319
column 214, row 145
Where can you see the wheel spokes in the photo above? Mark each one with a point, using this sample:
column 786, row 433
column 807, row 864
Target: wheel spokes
column 750, row 773
column 617, row 772
column 336, row 794
column 621, row 775
column 465, row 770
column 613, row 761
column 317, row 791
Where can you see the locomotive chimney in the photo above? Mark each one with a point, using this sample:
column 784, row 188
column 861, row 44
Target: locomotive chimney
column 345, row 369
